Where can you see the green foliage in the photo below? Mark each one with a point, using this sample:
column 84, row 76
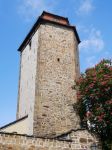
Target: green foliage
column 95, row 99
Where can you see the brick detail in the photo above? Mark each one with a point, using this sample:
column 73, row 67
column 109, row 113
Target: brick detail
column 55, row 18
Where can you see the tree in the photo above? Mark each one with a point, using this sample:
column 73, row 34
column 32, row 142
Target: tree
column 95, row 100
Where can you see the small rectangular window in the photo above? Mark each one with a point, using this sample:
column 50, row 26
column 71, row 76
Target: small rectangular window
column 30, row 44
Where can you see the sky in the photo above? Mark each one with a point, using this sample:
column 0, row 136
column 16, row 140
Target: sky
column 92, row 18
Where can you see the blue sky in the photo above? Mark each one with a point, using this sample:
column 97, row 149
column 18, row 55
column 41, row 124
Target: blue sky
column 93, row 19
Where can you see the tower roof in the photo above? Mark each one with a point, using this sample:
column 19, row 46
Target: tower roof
column 47, row 17
column 52, row 17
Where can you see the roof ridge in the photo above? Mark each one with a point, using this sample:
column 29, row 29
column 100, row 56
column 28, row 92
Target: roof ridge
column 9, row 124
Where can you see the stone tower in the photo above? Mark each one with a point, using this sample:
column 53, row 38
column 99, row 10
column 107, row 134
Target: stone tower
column 48, row 67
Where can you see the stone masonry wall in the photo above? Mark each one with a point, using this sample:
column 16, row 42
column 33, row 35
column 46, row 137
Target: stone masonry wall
column 80, row 141
column 56, row 71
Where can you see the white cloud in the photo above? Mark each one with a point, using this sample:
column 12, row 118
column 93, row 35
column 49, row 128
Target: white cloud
column 90, row 61
column 92, row 48
column 86, row 6
column 94, row 41
column 29, row 9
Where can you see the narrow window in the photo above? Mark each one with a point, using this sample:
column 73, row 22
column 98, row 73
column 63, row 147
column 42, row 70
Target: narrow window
column 30, row 43
column 58, row 59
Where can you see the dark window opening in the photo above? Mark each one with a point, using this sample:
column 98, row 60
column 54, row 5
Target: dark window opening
column 30, row 43
column 58, row 59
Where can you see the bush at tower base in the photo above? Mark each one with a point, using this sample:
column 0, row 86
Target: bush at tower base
column 95, row 101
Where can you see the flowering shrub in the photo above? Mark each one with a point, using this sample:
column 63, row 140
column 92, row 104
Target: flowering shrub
column 95, row 99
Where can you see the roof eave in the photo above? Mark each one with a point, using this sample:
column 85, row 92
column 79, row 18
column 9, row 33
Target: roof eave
column 12, row 123
column 36, row 26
